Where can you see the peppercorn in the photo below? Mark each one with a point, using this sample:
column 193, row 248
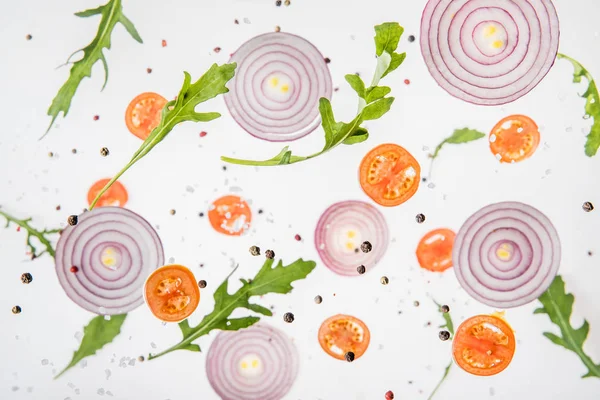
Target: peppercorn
column 287, row 2
column 201, row 214
column 28, row 37
column 203, row 133
column 96, row 117
column 411, row 38
column 164, row 43
column 217, row 49
column 235, row 21
column 141, row 358
column 327, row 60
column 149, row 70
column 277, row 28
column 74, row 151
column 587, row 206
column 260, row 211
column 416, row 303
column 72, row 220
column 318, row 299
column 172, row 212
column 224, row 168
column 298, row 237
column 389, row 395
column 361, row 269
column 444, row 335
column 420, row 218
column 50, row 154
column 288, row 317
column 202, row 284
column 270, row 254
column 278, row 3
column 366, row 247
column 26, row 278
column 74, row 269
column 104, row 151
column 384, row 280
column 445, row 309
column 255, row 250
column 16, row 310
column 349, row 356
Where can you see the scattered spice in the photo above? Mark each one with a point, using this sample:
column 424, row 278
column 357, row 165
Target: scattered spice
column 72, row 220
column 270, row 254
column 26, row 278
column 444, row 335
column 74, row 269
column 420, row 218
column 277, row 28
column 349, row 356
column 327, row 60
column 28, row 37
column 217, row 49
column 260, row 211
column 224, row 168
column 589, row 253
column 50, row 154
column 172, row 212
column 336, row 89
column 318, row 299
column 416, row 303
column 288, row 317
column 149, row 70
column 287, row 2
column 235, row 21
column 411, row 38
column 361, row 269
column 445, row 309
column 255, row 250
column 389, row 395
column 74, row 151
column 366, row 247
column 141, row 358
column 164, row 43
column 384, row 280
column 104, row 151
column 298, row 237
column 278, row 3
column 58, row 207
column 16, row 310
column 407, row 81
column 587, row 206
column 96, row 117
column 201, row 214
column 356, row 250
column 202, row 284
column 203, row 133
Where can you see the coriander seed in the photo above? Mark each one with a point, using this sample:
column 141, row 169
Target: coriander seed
column 349, row 356
column 26, row 278
column 255, row 250
column 366, row 247
column 318, row 299
column 72, row 220
column 16, row 310
column 445, row 308
column 444, row 335
column 587, row 206
column 202, row 284
column 384, row 280
column 270, row 254
column 361, row 269
column 420, row 218
column 288, row 317
column 104, row 151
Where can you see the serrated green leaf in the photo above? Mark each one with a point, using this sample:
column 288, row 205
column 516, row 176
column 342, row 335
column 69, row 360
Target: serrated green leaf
column 357, row 84
column 98, row 333
column 376, row 92
column 360, row 135
column 377, row 109
column 235, row 324
column 41, row 236
column 395, row 62
column 327, row 120
column 558, row 305
column 285, row 159
column 112, row 13
column 191, row 347
column 592, row 105
column 387, row 36
column 463, row 135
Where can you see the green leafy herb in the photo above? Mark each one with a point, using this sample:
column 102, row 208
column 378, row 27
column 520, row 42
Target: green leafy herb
column 459, row 136
column 98, row 333
column 592, row 105
column 32, row 232
column 267, row 280
column 210, row 85
column 112, row 13
column 372, row 103
column 450, row 326
column 558, row 304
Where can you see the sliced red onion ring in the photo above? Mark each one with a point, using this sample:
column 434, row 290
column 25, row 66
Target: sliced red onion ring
column 506, row 254
column 277, row 85
column 341, row 230
column 256, row 363
column 489, row 52
column 114, row 250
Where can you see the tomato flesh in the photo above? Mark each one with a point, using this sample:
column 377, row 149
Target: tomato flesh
column 115, row 196
column 514, row 138
column 230, row 215
column 341, row 334
column 144, row 113
column 172, row 293
column 434, row 251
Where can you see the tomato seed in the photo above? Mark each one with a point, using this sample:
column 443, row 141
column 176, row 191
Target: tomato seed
column 172, row 212
column 384, row 280
column 318, row 299
column 74, row 269
column 28, row 37
column 277, row 28
column 50, row 154
column 141, row 358
column 416, row 303
column 287, row 2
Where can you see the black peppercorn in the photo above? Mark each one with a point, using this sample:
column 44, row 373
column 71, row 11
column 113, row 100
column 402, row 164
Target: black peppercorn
column 141, row 358
column 288, row 317
column 28, row 37
column 278, row 3
column 201, row 214
column 72, row 220
column 26, row 278
column 270, row 254
column 416, row 303
column 366, row 247
column 260, row 211
column 420, row 218
column 16, row 310
column 349, row 356
column 361, row 269
column 587, row 206
column 104, row 151
column 202, row 284
column 411, row 38
column 255, row 250
column 384, row 280
column 318, row 299
column 444, row 335
column 327, row 60
column 445, row 308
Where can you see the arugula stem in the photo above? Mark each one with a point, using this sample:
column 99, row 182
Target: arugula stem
column 40, row 235
column 113, row 180
column 447, row 370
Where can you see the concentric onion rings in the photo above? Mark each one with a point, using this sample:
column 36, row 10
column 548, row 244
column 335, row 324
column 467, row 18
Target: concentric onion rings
column 277, row 85
column 257, row 363
column 114, row 250
column 506, row 254
column 489, row 52
column 341, row 230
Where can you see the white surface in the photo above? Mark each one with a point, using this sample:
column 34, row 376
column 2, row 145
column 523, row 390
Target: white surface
column 557, row 180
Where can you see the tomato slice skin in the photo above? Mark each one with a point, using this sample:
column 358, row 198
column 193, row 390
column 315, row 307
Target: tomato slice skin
column 230, row 215
column 483, row 345
column 143, row 114
column 515, row 138
column 116, row 195
column 341, row 333
column 389, row 175
column 172, row 293
column 434, row 251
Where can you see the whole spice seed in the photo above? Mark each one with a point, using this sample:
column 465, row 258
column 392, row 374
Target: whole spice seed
column 420, row 218
column 260, row 211
column 298, row 237
column 235, row 21
column 16, row 310
column 587, row 206
column 164, row 43
column 217, row 49
column 366, row 247
column 72, row 220
column 318, row 299
column 389, row 395
column 349, row 356
column 26, row 278
column 255, row 250
column 28, row 37
column 407, row 81
column 287, row 2
column 327, row 60
column 416, row 303
column 74, row 269
column 361, row 269
column 141, row 358
column 270, row 254
column 444, row 335
column 201, row 214
column 203, row 133
column 445, row 309
column 58, row 207
column 278, row 3
column 50, row 154
column 96, row 117
column 149, row 70
column 288, row 317
column 104, row 151
column 202, row 284
column 172, row 212
column 411, row 38
column 384, row 280
column 74, row 151
column 277, row 28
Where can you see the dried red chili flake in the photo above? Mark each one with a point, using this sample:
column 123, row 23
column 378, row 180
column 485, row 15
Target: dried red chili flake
column 74, row 269
column 298, row 237
column 96, row 117
column 407, row 82
column 164, row 43
column 203, row 133
column 389, row 395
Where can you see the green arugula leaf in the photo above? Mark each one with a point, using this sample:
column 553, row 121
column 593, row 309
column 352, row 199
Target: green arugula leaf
column 592, row 105
column 269, row 279
column 450, row 326
column 97, row 334
column 463, row 135
column 112, row 13
column 558, row 305
column 33, row 233
column 372, row 103
column 210, row 85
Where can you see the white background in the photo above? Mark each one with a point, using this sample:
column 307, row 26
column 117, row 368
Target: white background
column 557, row 180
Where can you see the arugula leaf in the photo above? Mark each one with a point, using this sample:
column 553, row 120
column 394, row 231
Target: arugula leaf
column 112, row 13
column 32, row 232
column 372, row 103
column 558, row 305
column 450, row 326
column 267, row 280
column 98, row 333
column 463, row 135
column 592, row 105
column 210, row 85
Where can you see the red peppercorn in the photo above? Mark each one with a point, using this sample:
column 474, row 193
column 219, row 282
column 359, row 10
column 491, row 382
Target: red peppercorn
column 389, row 395
column 164, row 43
column 74, row 269
column 407, row 82
column 18, row 229
column 202, row 134
column 96, row 117
column 298, row 238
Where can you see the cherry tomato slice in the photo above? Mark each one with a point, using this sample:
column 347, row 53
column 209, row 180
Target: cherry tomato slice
column 389, row 175
column 230, row 215
column 171, row 293
column 514, row 138
column 434, row 251
column 483, row 345
column 341, row 334
column 143, row 114
column 116, row 195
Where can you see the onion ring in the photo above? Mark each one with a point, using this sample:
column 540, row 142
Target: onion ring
column 506, row 254
column 341, row 230
column 489, row 52
column 277, row 85
column 114, row 250
column 256, row 363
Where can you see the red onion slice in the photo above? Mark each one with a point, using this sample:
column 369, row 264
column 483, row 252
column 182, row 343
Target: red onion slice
column 506, row 254
column 256, row 363
column 277, row 85
column 489, row 52
column 341, row 230
column 114, row 250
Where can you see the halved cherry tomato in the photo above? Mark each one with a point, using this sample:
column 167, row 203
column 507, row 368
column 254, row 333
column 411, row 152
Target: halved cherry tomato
column 116, row 195
column 514, row 138
column 143, row 114
column 389, row 175
column 172, row 293
column 483, row 345
column 434, row 251
column 230, row 215
column 341, row 334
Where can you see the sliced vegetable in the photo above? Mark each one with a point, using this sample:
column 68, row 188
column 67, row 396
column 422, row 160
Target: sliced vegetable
column 260, row 362
column 341, row 230
column 143, row 114
column 489, row 52
column 434, row 251
column 230, row 215
column 341, row 334
column 506, row 254
column 275, row 93
column 483, row 345
column 514, row 139
column 115, row 196
column 33, row 233
column 171, row 293
column 389, row 175
column 114, row 250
